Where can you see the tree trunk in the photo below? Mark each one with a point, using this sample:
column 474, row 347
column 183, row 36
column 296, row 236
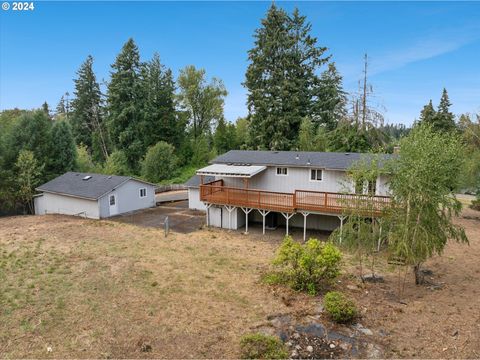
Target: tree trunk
column 419, row 276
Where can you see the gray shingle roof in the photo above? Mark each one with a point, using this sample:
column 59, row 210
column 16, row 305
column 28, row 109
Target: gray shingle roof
column 194, row 181
column 326, row 160
column 72, row 183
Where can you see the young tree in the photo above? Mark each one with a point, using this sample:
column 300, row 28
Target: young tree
column 203, row 102
column 160, row 122
column 117, row 164
column 280, row 79
column 125, row 104
column 60, row 110
column 87, row 114
column 28, row 173
column 159, row 163
column 331, row 102
column 423, row 203
column 310, row 139
column 84, row 160
column 63, row 152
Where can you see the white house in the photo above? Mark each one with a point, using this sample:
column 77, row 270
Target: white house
column 291, row 188
column 93, row 195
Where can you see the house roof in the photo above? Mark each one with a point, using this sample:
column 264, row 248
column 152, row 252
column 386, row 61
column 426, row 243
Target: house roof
column 84, row 185
column 224, row 170
column 194, row 181
column 324, row 160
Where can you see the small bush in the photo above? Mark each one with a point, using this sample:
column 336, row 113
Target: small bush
column 260, row 346
column 340, row 308
column 307, row 267
column 475, row 205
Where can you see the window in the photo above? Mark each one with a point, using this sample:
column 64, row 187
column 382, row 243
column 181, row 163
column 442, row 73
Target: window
column 112, row 200
column 316, row 174
column 282, row 171
column 143, row 192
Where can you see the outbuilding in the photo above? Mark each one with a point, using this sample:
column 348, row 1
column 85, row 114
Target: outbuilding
column 93, row 196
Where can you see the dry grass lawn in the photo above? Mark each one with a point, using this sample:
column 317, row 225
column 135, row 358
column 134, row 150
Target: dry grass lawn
column 102, row 289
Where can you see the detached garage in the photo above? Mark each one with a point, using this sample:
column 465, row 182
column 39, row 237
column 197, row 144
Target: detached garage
column 93, row 195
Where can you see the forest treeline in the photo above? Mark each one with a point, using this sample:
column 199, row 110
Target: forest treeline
column 146, row 123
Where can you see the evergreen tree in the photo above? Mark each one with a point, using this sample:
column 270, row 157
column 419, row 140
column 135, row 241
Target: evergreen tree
column 428, row 113
column 61, row 108
column 280, row 79
column 125, row 105
column 46, row 109
column 444, row 119
column 160, row 122
column 87, row 113
column 331, row 102
column 63, row 152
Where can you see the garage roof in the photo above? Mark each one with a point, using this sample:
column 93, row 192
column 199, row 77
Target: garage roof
column 84, row 185
column 244, row 171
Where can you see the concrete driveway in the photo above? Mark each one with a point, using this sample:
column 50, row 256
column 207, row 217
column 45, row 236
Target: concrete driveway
column 181, row 218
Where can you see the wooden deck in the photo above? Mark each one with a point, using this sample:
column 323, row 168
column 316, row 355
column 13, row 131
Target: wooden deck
column 299, row 201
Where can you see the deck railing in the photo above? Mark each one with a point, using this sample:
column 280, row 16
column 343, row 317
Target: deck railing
column 301, row 200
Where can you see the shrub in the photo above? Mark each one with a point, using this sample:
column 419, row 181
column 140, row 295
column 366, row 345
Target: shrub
column 260, row 346
column 340, row 308
column 306, row 267
column 116, row 164
column 159, row 163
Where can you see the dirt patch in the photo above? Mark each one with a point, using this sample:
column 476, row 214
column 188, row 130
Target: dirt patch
column 181, row 219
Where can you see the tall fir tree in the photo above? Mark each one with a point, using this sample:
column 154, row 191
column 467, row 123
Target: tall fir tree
column 46, row 109
column 125, row 105
column 160, row 122
column 87, row 112
column 428, row 113
column 444, row 119
column 280, row 79
column 331, row 99
column 62, row 152
column 61, row 108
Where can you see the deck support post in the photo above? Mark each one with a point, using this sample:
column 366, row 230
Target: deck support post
column 305, row 214
column 230, row 209
column 342, row 218
column 287, row 217
column 263, row 213
column 246, row 211
column 379, row 235
column 208, row 213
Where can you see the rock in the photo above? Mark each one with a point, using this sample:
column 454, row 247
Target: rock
column 374, row 352
column 373, row 278
column 289, row 343
column 352, row 287
column 332, row 346
column 363, row 330
column 294, row 354
column 310, row 348
column 296, row 335
column 298, row 347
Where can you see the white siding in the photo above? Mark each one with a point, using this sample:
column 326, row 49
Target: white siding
column 296, row 179
column 128, row 198
column 194, row 199
column 68, row 205
column 219, row 217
